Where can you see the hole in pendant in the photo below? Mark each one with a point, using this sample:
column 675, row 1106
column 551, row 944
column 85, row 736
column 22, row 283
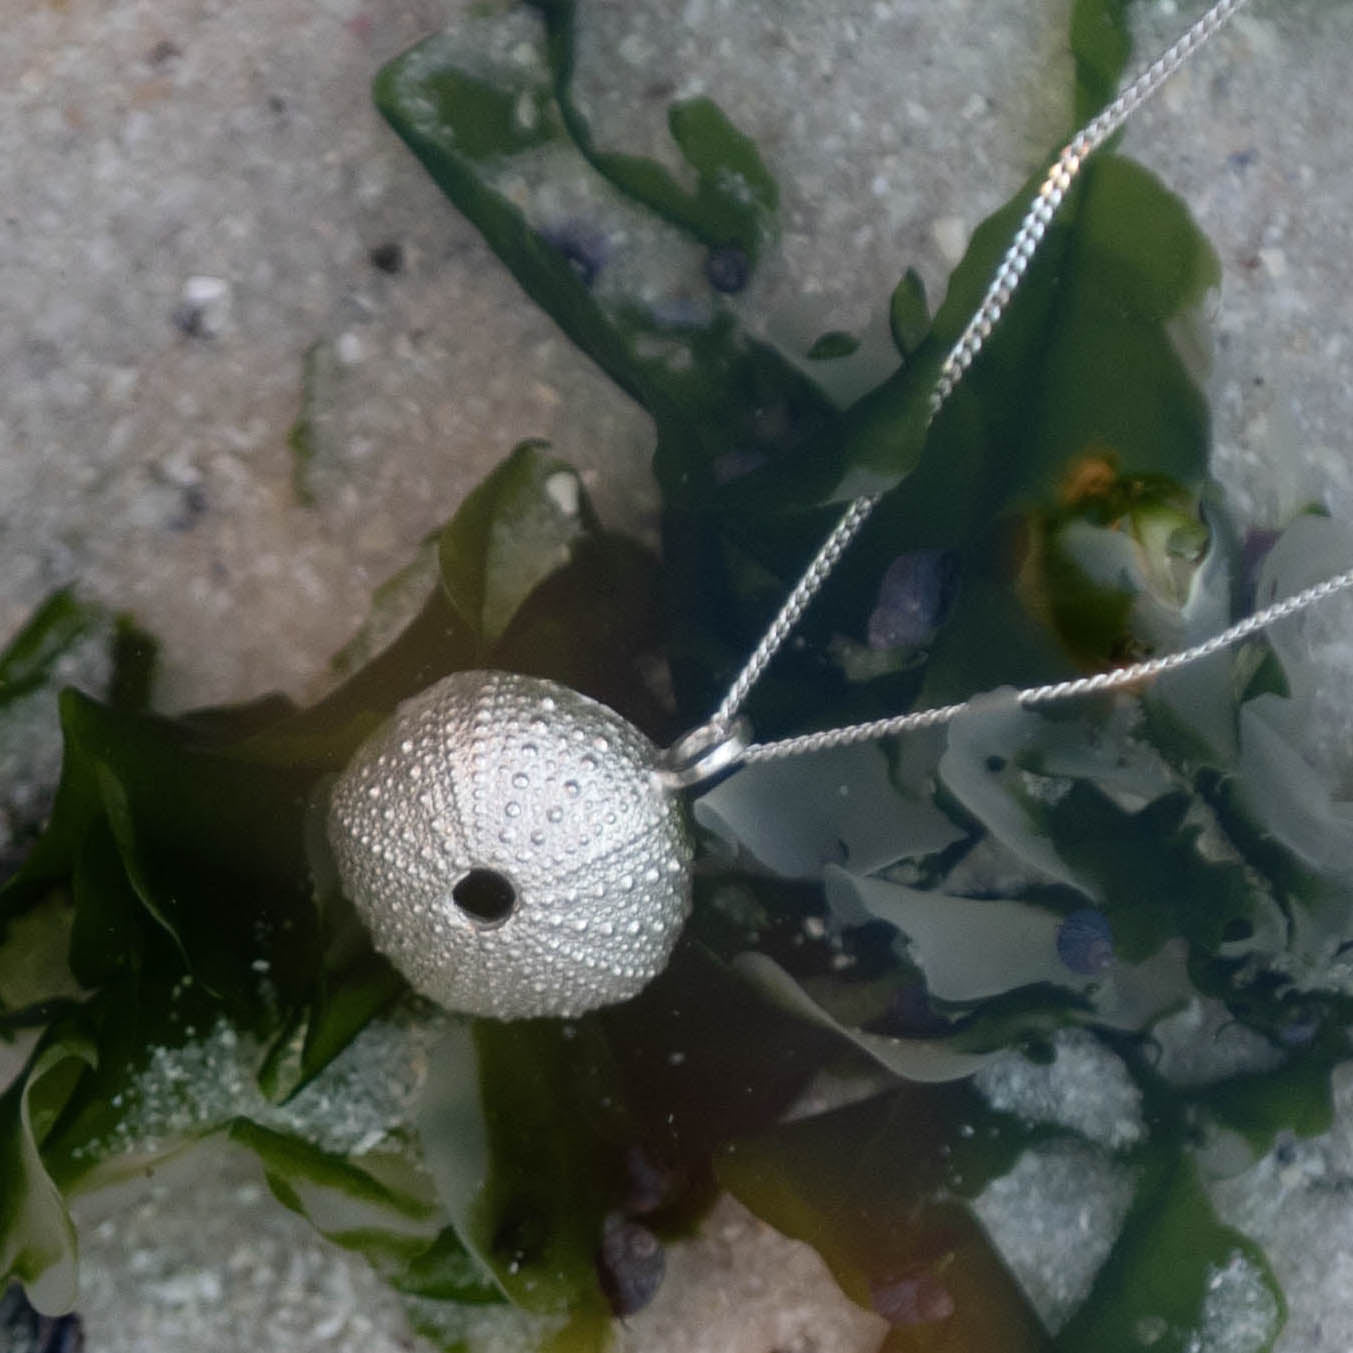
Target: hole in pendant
column 485, row 896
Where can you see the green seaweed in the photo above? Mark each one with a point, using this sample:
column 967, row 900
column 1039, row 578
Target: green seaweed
column 385, row 1215
column 30, row 655
column 703, row 382
column 1297, row 1099
column 512, row 1129
column 736, row 197
column 1101, row 43
column 303, row 437
column 1155, row 1281
column 1120, row 260
column 37, row 1236
column 908, row 314
column 831, row 346
column 518, row 527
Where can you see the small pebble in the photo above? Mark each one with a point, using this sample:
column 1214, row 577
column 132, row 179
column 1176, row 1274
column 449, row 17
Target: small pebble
column 630, row 1264
column 951, row 238
column 203, row 310
column 728, row 269
column 348, row 349
column 918, row 1300
column 387, row 257
column 1085, row 942
column 163, row 52
column 1275, row 263
column 915, row 597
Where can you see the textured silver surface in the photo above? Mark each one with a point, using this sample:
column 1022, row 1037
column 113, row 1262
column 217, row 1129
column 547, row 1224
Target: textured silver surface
column 551, row 790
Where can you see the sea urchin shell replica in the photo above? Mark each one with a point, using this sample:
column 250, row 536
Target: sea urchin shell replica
column 509, row 846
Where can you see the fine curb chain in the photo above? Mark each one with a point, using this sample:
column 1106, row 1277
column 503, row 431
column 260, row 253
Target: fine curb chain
column 1115, row 679
column 1048, row 199
column 721, row 742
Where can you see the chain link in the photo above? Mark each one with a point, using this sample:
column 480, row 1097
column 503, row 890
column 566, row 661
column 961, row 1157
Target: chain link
column 1009, row 274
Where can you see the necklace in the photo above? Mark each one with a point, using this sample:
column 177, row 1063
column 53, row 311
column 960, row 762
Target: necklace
column 519, row 850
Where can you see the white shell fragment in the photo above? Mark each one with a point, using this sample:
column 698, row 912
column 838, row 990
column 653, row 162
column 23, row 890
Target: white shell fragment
column 509, row 846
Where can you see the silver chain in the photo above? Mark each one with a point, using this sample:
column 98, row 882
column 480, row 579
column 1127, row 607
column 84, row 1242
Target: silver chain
column 722, row 739
column 795, row 605
column 1117, row 679
column 1013, row 266
column 1068, row 164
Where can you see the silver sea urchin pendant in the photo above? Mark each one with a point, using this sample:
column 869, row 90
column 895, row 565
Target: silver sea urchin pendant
column 512, row 848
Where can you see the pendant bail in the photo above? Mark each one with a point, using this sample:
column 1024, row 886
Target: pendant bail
column 704, row 753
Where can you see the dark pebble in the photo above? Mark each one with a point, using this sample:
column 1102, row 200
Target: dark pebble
column 163, row 52
column 192, row 505
column 187, row 320
column 630, row 1264
column 728, row 269
column 1085, row 942
column 583, row 245
column 920, row 1300
column 387, row 257
column 915, row 597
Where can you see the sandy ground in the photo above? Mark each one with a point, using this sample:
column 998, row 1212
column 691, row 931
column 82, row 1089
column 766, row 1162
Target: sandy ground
column 148, row 143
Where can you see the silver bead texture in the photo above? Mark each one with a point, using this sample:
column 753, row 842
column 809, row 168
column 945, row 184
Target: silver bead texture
column 511, row 849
